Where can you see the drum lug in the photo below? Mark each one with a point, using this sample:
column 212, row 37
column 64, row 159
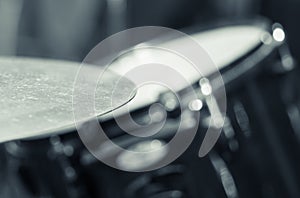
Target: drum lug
column 224, row 174
column 242, row 119
column 286, row 62
column 230, row 135
column 216, row 122
column 211, row 101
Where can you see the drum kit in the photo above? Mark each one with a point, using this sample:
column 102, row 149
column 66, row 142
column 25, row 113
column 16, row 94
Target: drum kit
column 256, row 155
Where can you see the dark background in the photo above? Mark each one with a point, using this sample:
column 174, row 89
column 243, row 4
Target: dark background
column 68, row 29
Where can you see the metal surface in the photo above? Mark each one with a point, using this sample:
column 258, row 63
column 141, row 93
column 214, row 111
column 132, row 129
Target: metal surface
column 36, row 96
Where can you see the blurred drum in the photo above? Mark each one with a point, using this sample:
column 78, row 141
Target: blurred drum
column 253, row 60
column 248, row 160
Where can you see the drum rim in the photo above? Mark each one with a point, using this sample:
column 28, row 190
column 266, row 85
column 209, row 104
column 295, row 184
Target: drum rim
column 259, row 22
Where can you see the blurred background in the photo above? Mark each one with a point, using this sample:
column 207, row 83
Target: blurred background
column 69, row 29
column 263, row 164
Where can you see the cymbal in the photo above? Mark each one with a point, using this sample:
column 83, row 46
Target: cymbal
column 36, row 96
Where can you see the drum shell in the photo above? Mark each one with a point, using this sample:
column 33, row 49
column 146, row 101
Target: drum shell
column 266, row 153
column 37, row 172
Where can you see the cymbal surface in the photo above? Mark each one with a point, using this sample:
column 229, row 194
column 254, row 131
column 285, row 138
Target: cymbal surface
column 36, row 96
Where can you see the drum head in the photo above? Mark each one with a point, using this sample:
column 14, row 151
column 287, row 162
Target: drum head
column 224, row 45
column 36, row 96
